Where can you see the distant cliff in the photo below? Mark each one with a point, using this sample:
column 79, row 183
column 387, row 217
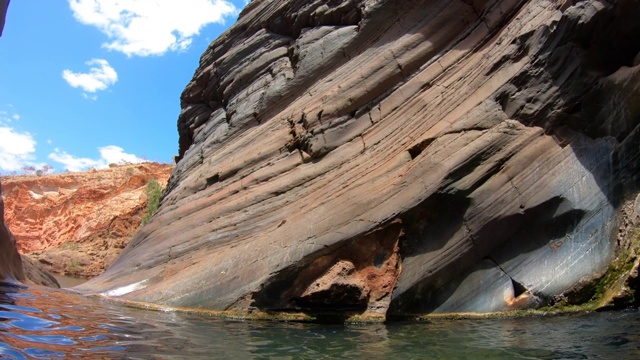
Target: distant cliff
column 379, row 158
column 10, row 262
column 77, row 223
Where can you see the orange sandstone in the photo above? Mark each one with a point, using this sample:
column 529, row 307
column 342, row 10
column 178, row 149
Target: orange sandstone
column 77, row 223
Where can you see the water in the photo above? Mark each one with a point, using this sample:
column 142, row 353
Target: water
column 66, row 281
column 44, row 324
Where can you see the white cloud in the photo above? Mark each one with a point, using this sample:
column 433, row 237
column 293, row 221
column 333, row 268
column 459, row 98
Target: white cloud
column 91, row 97
column 114, row 154
column 71, row 162
column 17, row 149
column 144, row 27
column 100, row 76
column 4, row 117
column 110, row 154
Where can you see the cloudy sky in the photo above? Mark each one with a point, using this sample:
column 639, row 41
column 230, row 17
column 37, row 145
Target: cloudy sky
column 85, row 83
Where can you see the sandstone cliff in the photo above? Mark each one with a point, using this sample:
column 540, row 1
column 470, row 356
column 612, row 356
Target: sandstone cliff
column 10, row 262
column 77, row 223
column 14, row 267
column 383, row 158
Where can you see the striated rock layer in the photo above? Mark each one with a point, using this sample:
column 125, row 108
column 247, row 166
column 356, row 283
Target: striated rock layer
column 10, row 261
column 77, row 223
column 13, row 266
column 396, row 157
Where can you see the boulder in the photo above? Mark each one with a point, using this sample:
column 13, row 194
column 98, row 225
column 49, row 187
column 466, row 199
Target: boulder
column 35, row 273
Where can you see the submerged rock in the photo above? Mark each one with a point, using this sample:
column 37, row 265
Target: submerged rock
column 396, row 157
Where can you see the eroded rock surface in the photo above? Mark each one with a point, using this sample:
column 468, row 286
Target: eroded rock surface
column 396, row 157
column 77, row 223
column 10, row 261
column 15, row 268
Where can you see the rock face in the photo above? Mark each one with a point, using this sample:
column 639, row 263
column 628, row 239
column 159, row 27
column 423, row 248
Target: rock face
column 4, row 4
column 77, row 223
column 14, row 267
column 10, row 261
column 385, row 158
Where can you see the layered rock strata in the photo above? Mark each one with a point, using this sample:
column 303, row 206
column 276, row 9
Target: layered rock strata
column 10, row 261
column 15, row 268
column 385, row 158
column 77, row 223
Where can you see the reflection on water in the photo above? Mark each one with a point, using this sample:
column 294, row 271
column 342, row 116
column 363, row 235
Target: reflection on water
column 43, row 324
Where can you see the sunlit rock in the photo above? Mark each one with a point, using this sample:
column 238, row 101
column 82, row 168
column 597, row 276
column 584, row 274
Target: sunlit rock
column 390, row 157
column 78, row 222
column 10, row 261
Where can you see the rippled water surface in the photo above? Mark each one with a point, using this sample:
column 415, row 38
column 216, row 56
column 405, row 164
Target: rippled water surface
column 45, row 324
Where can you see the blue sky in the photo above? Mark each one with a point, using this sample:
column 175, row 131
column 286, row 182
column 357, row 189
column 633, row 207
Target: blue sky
column 85, row 83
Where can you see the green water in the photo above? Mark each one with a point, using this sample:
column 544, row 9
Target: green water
column 45, row 324
column 69, row 281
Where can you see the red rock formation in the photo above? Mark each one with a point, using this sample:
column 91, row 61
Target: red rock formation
column 385, row 157
column 78, row 223
column 14, row 267
column 10, row 262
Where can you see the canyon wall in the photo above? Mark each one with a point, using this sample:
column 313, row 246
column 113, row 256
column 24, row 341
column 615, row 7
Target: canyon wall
column 383, row 158
column 10, row 261
column 77, row 223
column 14, row 267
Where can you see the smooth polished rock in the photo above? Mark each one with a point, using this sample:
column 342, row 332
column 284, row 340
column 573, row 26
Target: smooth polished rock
column 396, row 157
